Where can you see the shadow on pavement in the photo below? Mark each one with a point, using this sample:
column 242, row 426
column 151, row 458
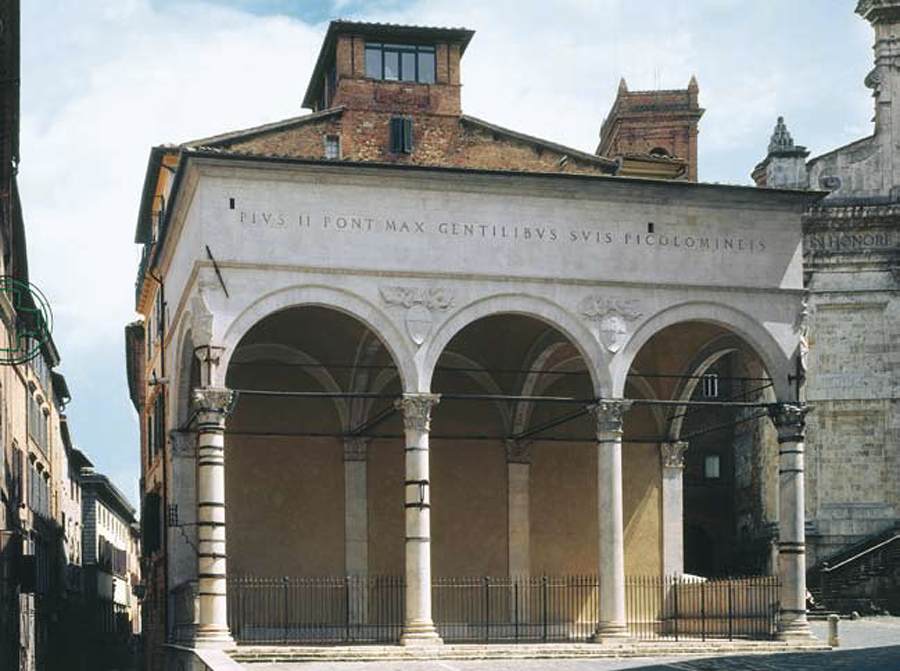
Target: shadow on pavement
column 865, row 659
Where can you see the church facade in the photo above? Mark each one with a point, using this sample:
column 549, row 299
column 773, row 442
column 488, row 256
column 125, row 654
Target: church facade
column 851, row 257
column 388, row 340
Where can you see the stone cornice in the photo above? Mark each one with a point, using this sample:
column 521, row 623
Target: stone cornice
column 822, row 214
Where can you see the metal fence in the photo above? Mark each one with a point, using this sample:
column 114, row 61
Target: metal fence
column 316, row 610
column 484, row 609
column 557, row 608
column 680, row 607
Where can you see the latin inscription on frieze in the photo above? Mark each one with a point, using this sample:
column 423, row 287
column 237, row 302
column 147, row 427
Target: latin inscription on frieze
column 847, row 241
column 569, row 233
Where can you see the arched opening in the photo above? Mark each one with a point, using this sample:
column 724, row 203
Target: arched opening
column 513, row 459
column 712, row 389
column 314, row 452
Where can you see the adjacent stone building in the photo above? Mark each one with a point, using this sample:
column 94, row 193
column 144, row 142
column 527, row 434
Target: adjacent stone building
column 111, row 573
column 852, row 327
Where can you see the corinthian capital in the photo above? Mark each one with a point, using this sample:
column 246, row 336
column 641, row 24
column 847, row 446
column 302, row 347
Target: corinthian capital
column 672, row 454
column 609, row 415
column 790, row 420
column 356, row 448
column 417, row 410
column 217, row 400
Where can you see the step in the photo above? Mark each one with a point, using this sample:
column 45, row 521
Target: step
column 259, row 655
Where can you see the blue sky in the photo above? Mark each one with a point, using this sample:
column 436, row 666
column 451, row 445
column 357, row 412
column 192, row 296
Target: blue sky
column 103, row 80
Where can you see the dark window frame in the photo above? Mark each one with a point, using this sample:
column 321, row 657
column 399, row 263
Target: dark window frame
column 419, row 51
column 400, row 135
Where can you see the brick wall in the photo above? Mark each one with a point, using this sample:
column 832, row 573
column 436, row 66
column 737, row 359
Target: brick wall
column 438, row 140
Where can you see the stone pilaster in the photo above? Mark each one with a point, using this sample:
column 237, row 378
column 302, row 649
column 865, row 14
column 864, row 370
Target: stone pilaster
column 518, row 470
column 213, row 405
column 418, row 626
column 356, row 526
column 672, row 466
column 789, row 419
column 181, row 510
column 609, row 415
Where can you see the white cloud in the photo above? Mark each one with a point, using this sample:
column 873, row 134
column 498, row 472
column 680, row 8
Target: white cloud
column 103, row 80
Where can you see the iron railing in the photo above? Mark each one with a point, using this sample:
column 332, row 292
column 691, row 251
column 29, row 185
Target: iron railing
column 485, row 609
column 686, row 607
column 316, row 610
column 558, row 608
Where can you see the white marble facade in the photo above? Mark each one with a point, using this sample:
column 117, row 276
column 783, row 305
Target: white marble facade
column 418, row 254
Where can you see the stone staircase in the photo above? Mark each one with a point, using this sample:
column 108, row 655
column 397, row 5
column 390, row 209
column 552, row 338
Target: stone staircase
column 864, row 577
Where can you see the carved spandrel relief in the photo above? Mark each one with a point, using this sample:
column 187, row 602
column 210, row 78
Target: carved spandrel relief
column 420, row 304
column 610, row 318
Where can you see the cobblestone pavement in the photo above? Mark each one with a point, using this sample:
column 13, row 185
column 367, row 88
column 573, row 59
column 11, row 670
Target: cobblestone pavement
column 870, row 644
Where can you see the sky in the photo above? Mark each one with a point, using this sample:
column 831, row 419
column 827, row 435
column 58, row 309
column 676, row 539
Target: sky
column 104, row 80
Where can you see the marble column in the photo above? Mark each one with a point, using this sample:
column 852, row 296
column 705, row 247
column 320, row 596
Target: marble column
column 518, row 469
column 418, row 627
column 789, row 419
column 213, row 405
column 609, row 416
column 672, row 465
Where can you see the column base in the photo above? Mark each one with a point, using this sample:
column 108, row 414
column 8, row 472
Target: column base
column 794, row 629
column 212, row 637
column 611, row 632
column 420, row 634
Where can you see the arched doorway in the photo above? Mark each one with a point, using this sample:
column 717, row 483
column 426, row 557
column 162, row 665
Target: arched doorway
column 713, row 391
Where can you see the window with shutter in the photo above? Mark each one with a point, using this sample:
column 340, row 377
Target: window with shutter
column 401, row 135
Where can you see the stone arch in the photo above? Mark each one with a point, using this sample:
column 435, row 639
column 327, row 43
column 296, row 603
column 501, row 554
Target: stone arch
column 648, row 392
column 754, row 334
column 332, row 298
column 536, row 384
column 185, row 361
column 530, row 306
column 292, row 355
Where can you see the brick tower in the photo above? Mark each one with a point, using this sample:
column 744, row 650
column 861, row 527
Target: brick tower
column 658, row 125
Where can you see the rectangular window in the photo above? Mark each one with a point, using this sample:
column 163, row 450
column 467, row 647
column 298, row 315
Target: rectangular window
column 160, row 315
column 18, row 475
column 408, row 66
column 426, row 67
column 37, row 423
column 711, row 465
column 332, row 147
column 400, row 62
column 391, row 65
column 373, row 62
column 711, row 385
column 401, row 135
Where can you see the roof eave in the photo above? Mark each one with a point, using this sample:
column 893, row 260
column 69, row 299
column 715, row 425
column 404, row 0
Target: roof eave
column 144, row 229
